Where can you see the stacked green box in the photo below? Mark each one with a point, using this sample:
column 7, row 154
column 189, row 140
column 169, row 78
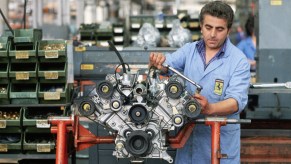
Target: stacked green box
column 27, row 35
column 37, row 136
column 4, row 66
column 52, row 51
column 119, row 38
column 23, row 93
column 23, row 72
column 36, row 117
column 103, row 35
column 38, row 141
column 24, row 46
column 23, row 66
column 52, row 72
column 4, row 44
column 135, row 22
column 87, row 31
column 4, row 94
column 10, row 130
column 194, row 27
column 168, row 20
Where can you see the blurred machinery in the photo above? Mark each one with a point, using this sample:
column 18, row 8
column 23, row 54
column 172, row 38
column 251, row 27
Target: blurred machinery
column 273, row 55
column 269, row 100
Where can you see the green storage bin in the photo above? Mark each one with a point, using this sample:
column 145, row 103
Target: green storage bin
column 196, row 35
column 133, row 36
column 4, row 46
column 194, row 24
column 52, row 72
column 135, row 22
column 4, row 67
column 102, row 36
column 159, row 24
column 87, row 31
column 118, row 29
column 27, row 35
column 39, row 142
column 54, row 93
column 148, row 19
column 10, row 117
column 23, row 93
column 22, row 52
column 52, row 50
column 169, row 20
column 37, row 116
column 11, row 142
column 23, row 72
column 4, row 94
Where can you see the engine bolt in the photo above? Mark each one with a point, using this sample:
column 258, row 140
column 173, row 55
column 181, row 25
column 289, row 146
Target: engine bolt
column 105, row 89
column 137, row 114
column 174, row 89
column 192, row 108
column 115, row 104
column 178, row 120
column 119, row 146
column 86, row 107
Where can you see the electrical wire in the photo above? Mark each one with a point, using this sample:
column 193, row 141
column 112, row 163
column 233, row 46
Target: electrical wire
column 118, row 55
column 6, row 22
column 24, row 14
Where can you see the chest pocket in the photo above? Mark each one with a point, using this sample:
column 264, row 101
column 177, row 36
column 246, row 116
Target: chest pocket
column 217, row 82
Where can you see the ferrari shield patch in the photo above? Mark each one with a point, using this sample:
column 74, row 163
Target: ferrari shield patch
column 218, row 88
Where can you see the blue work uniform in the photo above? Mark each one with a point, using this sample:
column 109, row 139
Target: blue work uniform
column 248, row 48
column 226, row 76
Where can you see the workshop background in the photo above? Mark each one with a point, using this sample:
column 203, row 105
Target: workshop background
column 54, row 51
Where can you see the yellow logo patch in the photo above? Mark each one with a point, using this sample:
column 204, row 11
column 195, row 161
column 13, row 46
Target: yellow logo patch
column 218, row 88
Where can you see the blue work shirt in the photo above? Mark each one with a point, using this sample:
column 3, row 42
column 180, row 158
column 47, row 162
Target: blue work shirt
column 247, row 47
column 225, row 77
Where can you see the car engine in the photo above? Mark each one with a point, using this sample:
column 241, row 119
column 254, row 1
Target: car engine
column 140, row 112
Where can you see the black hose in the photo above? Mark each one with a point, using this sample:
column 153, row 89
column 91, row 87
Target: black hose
column 118, row 54
column 6, row 22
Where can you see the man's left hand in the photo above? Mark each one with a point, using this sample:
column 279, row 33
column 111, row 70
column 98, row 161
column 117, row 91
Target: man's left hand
column 204, row 104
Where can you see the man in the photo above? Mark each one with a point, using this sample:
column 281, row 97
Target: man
column 223, row 71
column 248, row 45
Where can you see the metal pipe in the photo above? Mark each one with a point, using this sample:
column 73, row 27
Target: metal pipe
column 62, row 129
column 61, row 150
column 181, row 138
column 223, row 119
column 271, row 85
column 54, row 129
column 215, row 141
column 55, row 119
column 199, row 87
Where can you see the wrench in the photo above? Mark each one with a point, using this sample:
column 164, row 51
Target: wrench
column 199, row 87
column 272, row 85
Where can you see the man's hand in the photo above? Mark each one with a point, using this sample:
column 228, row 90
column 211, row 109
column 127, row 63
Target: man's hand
column 156, row 60
column 205, row 107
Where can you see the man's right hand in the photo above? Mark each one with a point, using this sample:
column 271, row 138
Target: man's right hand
column 157, row 59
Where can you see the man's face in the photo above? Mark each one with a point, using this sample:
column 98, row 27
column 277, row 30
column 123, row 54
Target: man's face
column 214, row 31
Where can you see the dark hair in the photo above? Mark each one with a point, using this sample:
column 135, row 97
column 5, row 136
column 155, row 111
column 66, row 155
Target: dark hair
column 250, row 24
column 218, row 9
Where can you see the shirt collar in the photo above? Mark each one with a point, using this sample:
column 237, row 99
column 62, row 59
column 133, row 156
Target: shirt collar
column 201, row 48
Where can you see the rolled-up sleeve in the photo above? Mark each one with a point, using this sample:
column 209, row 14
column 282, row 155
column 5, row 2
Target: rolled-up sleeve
column 239, row 84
